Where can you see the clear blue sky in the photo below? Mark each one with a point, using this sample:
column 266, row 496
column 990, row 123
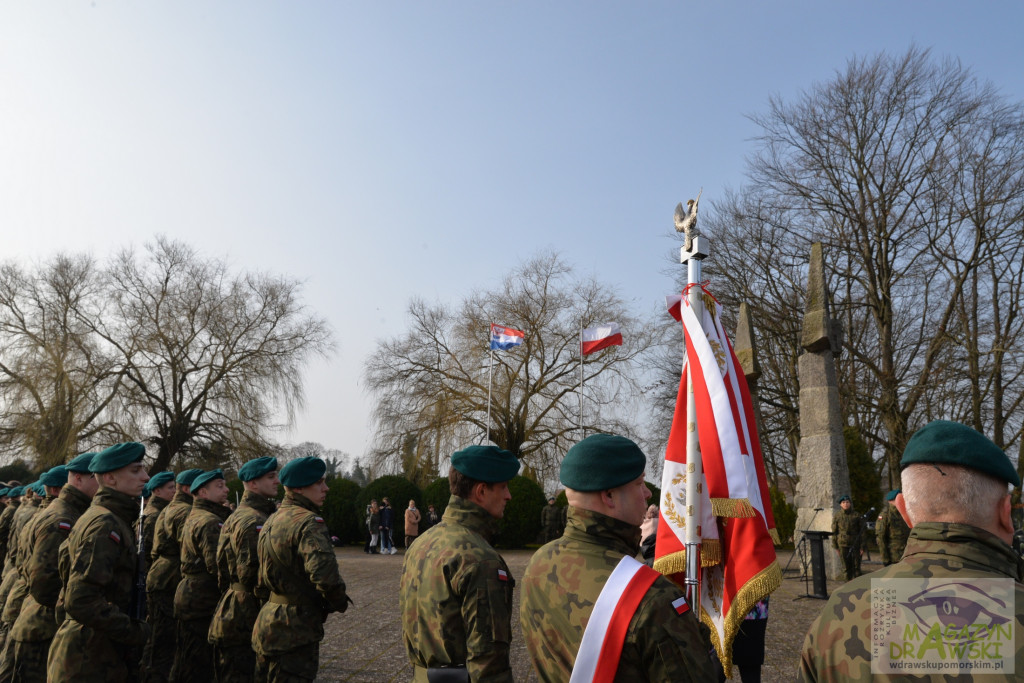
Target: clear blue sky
column 380, row 150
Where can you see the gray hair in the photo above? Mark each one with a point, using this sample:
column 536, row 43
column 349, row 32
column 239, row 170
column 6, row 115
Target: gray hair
column 951, row 493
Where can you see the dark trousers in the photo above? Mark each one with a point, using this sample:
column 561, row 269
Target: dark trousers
column 158, row 655
column 193, row 661
column 235, row 664
column 295, row 666
column 851, row 561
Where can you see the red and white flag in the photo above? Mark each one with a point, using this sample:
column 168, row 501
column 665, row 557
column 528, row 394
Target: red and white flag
column 600, row 337
column 738, row 562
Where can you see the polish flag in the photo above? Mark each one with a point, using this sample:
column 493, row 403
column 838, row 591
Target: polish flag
column 600, row 337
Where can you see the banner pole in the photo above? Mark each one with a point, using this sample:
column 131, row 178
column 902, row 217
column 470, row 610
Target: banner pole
column 490, row 367
column 583, row 434
column 692, row 254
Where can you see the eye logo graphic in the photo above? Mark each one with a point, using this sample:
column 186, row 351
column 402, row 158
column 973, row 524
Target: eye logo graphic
column 955, row 608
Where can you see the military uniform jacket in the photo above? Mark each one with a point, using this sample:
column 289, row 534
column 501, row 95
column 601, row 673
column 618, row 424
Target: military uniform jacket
column 838, row 647
column 892, row 533
column 456, row 596
column 150, row 514
column 551, row 517
column 6, row 517
column 98, row 561
column 847, row 529
column 51, row 527
column 562, row 583
column 299, row 569
column 238, row 572
column 18, row 590
column 165, row 568
column 197, row 595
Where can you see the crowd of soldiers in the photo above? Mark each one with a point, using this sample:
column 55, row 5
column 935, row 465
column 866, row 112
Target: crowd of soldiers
column 97, row 587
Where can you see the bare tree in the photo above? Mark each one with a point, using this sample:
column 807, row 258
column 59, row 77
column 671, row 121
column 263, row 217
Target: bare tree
column 209, row 355
column 431, row 384
column 58, row 380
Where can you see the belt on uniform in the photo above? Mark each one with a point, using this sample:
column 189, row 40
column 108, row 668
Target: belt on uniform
column 236, row 586
column 297, row 600
column 448, row 674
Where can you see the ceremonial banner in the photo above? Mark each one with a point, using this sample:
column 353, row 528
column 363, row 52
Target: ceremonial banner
column 738, row 561
column 505, row 338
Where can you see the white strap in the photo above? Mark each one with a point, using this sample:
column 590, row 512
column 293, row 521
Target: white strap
column 593, row 637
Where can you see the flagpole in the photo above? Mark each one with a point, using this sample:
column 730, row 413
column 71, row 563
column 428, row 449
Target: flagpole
column 582, row 433
column 692, row 254
column 490, row 367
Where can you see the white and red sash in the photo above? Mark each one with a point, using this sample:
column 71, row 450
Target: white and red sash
column 598, row 658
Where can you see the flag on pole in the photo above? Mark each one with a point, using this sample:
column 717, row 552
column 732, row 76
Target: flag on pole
column 600, row 337
column 738, row 562
column 505, row 338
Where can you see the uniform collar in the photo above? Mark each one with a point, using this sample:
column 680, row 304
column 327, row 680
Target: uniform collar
column 257, row 502
column 182, row 497
column 299, row 500
column 966, row 542
column 470, row 515
column 221, row 511
column 587, row 525
column 121, row 504
column 75, row 498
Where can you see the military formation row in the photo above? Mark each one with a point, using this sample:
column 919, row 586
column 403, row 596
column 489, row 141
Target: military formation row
column 99, row 588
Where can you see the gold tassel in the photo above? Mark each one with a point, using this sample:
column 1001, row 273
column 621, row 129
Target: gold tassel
column 759, row 586
column 732, row 507
column 710, row 555
column 775, row 536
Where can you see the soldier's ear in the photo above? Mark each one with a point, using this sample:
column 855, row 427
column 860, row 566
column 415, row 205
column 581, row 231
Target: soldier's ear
column 901, row 505
column 1004, row 520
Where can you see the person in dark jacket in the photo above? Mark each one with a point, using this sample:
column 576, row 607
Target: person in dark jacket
column 387, row 524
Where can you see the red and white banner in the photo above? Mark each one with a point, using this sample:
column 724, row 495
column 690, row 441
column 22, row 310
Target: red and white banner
column 600, row 337
column 738, row 561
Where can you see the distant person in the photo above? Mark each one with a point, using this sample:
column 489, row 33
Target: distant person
column 430, row 519
column 892, row 532
column 847, row 533
column 412, row 523
column 956, row 501
column 649, row 534
column 551, row 520
column 373, row 526
column 387, row 525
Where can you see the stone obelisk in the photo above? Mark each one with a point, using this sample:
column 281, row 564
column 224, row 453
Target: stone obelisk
column 821, row 457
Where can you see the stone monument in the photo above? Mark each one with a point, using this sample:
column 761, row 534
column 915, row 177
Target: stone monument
column 821, row 456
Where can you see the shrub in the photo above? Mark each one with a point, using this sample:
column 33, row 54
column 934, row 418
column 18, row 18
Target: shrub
column 343, row 518
column 521, row 521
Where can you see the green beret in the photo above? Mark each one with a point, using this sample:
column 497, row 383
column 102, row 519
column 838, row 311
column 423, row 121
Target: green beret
column 16, row 491
column 949, row 443
column 205, row 478
column 158, row 480
column 57, row 476
column 37, row 487
column 303, row 472
column 254, row 469
column 892, row 494
column 601, row 462
column 80, row 463
column 842, row 498
column 4, row 492
column 488, row 464
column 117, row 456
column 186, row 478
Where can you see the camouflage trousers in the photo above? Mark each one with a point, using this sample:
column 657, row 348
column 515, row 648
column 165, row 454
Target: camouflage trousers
column 851, row 561
column 295, row 666
column 158, row 655
column 27, row 661
column 234, row 664
column 193, row 660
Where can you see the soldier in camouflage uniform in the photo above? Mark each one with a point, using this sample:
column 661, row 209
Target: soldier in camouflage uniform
column 238, row 573
column 604, row 479
column 98, row 640
column 33, row 631
column 159, row 493
column 891, row 531
column 847, row 534
column 551, row 521
column 956, row 500
column 12, row 590
column 162, row 581
column 299, row 569
column 11, row 505
column 456, row 590
column 197, row 594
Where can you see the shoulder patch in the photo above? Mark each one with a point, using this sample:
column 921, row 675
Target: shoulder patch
column 220, row 525
column 63, row 526
column 259, row 528
column 115, row 537
column 502, row 575
column 680, row 606
column 319, row 519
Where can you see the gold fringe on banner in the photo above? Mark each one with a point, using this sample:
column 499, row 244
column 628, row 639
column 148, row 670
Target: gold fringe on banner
column 775, row 536
column 732, row 507
column 759, row 586
column 710, row 555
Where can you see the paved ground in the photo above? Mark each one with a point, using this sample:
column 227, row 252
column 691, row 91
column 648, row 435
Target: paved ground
column 365, row 643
